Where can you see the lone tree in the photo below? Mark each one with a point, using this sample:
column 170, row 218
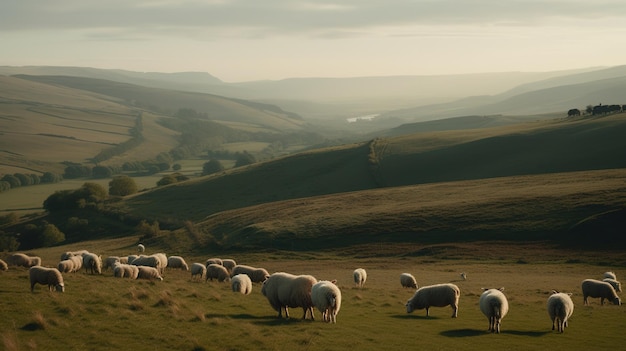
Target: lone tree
column 245, row 159
column 122, row 186
column 212, row 166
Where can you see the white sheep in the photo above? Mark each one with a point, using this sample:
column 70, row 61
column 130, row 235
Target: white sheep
column 439, row 295
column 46, row 276
column 214, row 260
column 148, row 261
column 163, row 260
column 123, row 270
column 610, row 275
column 149, row 273
column 229, row 263
column 92, row 263
column 3, row 266
column 560, row 309
column 78, row 263
column 326, row 297
column 177, row 262
column 241, row 283
column 23, row 260
column 494, row 305
column 66, row 255
column 109, row 262
column 463, row 276
column 360, row 276
column 614, row 283
column 597, row 288
column 257, row 275
column 124, row 259
column 141, row 248
column 407, row 280
column 66, row 266
column 284, row 290
column 216, row 271
column 198, row 269
column 131, row 258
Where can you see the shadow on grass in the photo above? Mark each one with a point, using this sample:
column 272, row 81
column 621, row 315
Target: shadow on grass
column 415, row 316
column 461, row 333
column 263, row 320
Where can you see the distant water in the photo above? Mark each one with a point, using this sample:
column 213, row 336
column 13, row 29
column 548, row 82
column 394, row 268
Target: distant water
column 364, row 117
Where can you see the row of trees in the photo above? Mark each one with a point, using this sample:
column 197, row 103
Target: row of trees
column 10, row 181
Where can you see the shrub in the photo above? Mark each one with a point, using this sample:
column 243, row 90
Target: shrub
column 12, row 180
column 51, row 235
column 122, row 186
column 212, row 166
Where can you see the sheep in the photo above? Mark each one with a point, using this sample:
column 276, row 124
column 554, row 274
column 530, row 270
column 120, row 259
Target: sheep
column 23, row 260
column 177, row 262
column 92, row 263
column 131, row 258
column 597, row 288
column 150, row 273
column 68, row 254
column 326, row 297
column 141, row 248
column 123, row 270
column 148, row 261
column 163, row 260
column 284, row 290
column 560, row 309
column 66, row 266
column 218, row 272
column 198, row 269
column 494, row 305
column 360, row 276
column 439, row 295
column 241, row 283
column 109, row 262
column 257, row 275
column 124, row 259
column 3, row 266
column 610, row 275
column 407, row 280
column 614, row 283
column 78, row 263
column 214, row 260
column 463, row 276
column 46, row 276
column 229, row 263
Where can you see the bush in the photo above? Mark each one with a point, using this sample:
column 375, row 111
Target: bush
column 51, row 235
column 244, row 159
column 50, row 177
column 122, row 186
column 12, row 180
column 102, row 172
column 212, row 166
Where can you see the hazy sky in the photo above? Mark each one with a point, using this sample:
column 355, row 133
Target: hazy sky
column 243, row 40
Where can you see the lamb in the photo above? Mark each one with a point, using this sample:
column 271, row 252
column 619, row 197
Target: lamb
column 109, row 262
column 92, row 263
column 614, row 283
column 229, row 264
column 597, row 288
column 66, row 266
column 560, row 308
column 3, row 266
column 610, row 275
column 141, row 248
column 494, row 305
column 198, row 269
column 439, row 295
column 46, row 276
column 216, row 271
column 149, row 273
column 326, row 297
column 407, row 280
column 284, row 290
column 257, row 275
column 23, row 260
column 360, row 276
column 177, row 262
column 241, row 283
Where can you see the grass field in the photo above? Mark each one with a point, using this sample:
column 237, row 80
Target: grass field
column 103, row 312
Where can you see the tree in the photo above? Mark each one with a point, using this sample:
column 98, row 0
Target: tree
column 102, row 172
column 13, row 180
column 177, row 167
column 122, row 186
column 167, row 180
column 50, row 177
column 92, row 192
column 245, row 159
column 212, row 166
column 51, row 235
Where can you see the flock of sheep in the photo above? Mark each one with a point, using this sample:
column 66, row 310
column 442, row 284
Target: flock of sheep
column 284, row 290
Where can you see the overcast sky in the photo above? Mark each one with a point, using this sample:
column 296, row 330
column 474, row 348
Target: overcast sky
column 244, row 40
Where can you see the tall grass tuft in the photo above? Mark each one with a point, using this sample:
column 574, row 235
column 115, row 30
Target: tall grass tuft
column 38, row 323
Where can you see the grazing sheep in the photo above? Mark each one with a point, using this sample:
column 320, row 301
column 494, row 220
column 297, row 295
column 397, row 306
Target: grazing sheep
column 131, row 258
column 241, row 283
column 198, row 269
column 149, row 273
column 284, row 290
column 326, row 297
column 109, row 262
column 597, row 288
column 214, row 260
column 494, row 305
column 123, row 270
column 141, row 248
column 124, row 259
column 68, row 254
column 360, row 276
column 78, row 263
column 610, row 275
column 46, row 276
column 229, row 264
column 560, row 308
column 463, row 276
column 407, row 280
column 257, row 275
column 66, row 266
column 614, row 283
column 92, row 263
column 163, row 261
column 439, row 295
column 148, row 261
column 177, row 262
column 23, row 260
column 3, row 266
column 217, row 271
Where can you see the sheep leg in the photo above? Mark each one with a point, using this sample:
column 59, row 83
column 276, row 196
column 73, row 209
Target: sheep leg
column 455, row 311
